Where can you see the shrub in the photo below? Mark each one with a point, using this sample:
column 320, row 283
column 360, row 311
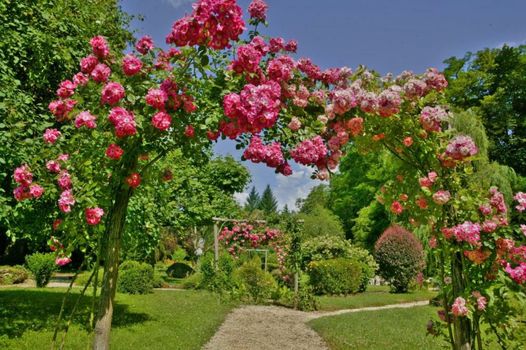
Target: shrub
column 220, row 280
column 135, row 278
column 83, row 277
column 257, row 283
column 193, row 281
column 179, row 270
column 331, row 247
column 305, row 300
column 335, row 276
column 42, row 267
column 400, row 256
column 12, row 274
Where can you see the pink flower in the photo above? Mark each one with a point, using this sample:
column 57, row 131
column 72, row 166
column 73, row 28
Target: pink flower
column 497, row 200
column 51, row 136
column 100, row 46
column 280, row 69
column 520, row 197
column 291, row 46
column 21, row 193
column 63, row 157
column 144, row 45
column 248, row 58
column 433, row 242
column 461, row 147
column 124, row 122
column 62, row 261
column 343, row 100
column 134, row 180
column 114, row 152
column 355, row 126
column 415, row 88
column 485, row 209
column 441, row 197
column 36, row 191
column 435, row 80
column 467, row 232
column 389, row 102
column 284, row 169
column 93, row 215
column 101, row 73
column 421, row 203
column 112, row 93
column 189, row 131
column 459, row 308
column 397, row 208
column 518, row 274
column 161, row 121
column 61, row 108
column 87, row 64
column 489, row 226
column 23, row 175
column 85, row 119
column 53, row 166
column 258, row 10
column 80, row 79
column 131, row 65
column 310, row 151
column 431, row 118
column 276, row 44
column 294, row 124
column 523, row 229
column 408, row 141
column 64, row 181
column 156, row 98
column 66, row 89
column 66, row 201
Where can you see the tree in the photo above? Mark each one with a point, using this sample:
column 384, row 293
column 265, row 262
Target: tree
column 319, row 222
column 317, row 197
column 268, row 203
column 492, row 82
column 253, row 200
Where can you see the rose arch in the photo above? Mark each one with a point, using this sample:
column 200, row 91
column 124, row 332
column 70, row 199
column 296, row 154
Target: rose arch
column 121, row 113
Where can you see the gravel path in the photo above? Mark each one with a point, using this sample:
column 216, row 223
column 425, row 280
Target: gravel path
column 277, row 328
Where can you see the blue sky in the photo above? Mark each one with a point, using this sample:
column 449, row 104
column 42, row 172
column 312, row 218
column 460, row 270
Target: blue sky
column 385, row 35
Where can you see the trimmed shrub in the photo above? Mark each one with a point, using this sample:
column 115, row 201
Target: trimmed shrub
column 13, row 274
column 179, row 270
column 42, row 267
column 193, row 281
column 400, row 256
column 257, row 283
column 335, row 276
column 220, row 280
column 135, row 278
column 331, row 247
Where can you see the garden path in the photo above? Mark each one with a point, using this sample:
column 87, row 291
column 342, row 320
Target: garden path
column 271, row 327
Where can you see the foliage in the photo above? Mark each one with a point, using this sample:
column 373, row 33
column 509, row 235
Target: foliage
column 321, row 222
column 12, row 274
column 317, row 197
column 194, row 281
column 335, row 276
column 83, row 277
column 179, row 270
column 268, row 203
column 135, row 278
column 491, row 82
column 304, row 300
column 218, row 280
column 42, row 267
column 400, row 257
column 256, row 283
column 253, row 200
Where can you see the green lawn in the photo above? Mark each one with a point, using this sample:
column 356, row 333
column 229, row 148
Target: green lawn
column 374, row 296
column 162, row 320
column 394, row 329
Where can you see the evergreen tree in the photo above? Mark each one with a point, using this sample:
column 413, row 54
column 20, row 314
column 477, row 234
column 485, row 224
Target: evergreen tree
column 253, row 200
column 285, row 210
column 268, row 202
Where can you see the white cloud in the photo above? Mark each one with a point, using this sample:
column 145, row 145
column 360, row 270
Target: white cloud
column 241, row 197
column 177, row 3
column 297, row 185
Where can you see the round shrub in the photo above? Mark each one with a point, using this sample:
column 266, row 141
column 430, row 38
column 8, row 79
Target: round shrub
column 335, row 276
column 135, row 278
column 12, row 274
column 42, row 267
column 179, row 270
column 400, row 257
column 258, row 284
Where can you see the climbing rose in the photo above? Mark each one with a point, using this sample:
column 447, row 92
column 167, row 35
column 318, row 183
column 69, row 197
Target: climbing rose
column 101, row 73
column 93, row 215
column 63, row 157
column 467, row 232
column 280, row 69
column 415, row 88
column 459, row 307
column 441, row 197
column 248, row 58
column 134, row 180
column 520, row 197
column 86, row 119
column 53, row 166
column 23, row 175
column 62, row 261
column 112, row 93
column 408, row 141
column 51, row 136
column 189, row 131
column 114, row 152
column 64, row 181
column 309, row 151
column 258, row 10
column 481, row 301
column 87, row 64
column 489, row 226
column 397, row 208
column 389, row 102
column 421, row 203
column 61, row 108
column 131, row 65
column 435, row 80
column 461, row 147
column 161, row 121
column 156, row 98
column 66, row 89
column 80, row 79
column 65, row 201
column 36, row 191
column 291, row 46
column 518, row 274
column 431, row 118
column 100, row 46
column 124, row 122
column 355, row 125
column 485, row 209
column 284, row 169
column 294, row 124
column 144, row 45
column 343, row 100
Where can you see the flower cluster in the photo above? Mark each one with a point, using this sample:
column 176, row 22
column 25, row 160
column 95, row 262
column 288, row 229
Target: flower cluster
column 26, row 189
column 51, row 136
column 124, row 122
column 86, row 119
column 468, row 232
column 93, row 215
column 131, row 65
column 271, row 155
column 213, row 23
column 459, row 307
column 432, row 118
column 144, row 45
column 520, row 197
column 112, row 93
column 258, row 10
column 245, row 235
column 461, row 147
column 310, row 152
column 114, row 152
column 441, row 197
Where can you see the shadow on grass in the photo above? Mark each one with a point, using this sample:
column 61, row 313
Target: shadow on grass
column 23, row 310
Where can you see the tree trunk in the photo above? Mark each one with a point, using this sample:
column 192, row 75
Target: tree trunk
column 462, row 325
column 115, row 227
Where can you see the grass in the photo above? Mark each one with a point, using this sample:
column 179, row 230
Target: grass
column 162, row 320
column 393, row 329
column 374, row 296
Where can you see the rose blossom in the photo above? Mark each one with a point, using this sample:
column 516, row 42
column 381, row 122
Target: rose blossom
column 114, row 152
column 51, row 136
column 93, row 215
column 131, row 65
column 294, row 124
column 156, row 98
column 65, row 201
column 100, row 46
column 112, row 93
column 258, row 10
column 144, row 45
column 86, row 119
column 161, row 121
column 441, row 197
column 459, row 308
column 100, row 73
column 134, row 180
column 53, row 166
